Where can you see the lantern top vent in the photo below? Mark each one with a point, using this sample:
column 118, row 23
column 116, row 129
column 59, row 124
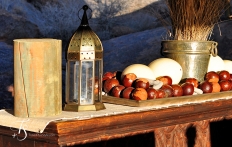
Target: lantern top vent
column 84, row 40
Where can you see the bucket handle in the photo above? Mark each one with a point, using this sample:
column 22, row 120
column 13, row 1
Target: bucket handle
column 213, row 49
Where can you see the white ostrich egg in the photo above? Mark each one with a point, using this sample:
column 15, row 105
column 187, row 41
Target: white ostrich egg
column 140, row 70
column 228, row 65
column 215, row 64
column 167, row 67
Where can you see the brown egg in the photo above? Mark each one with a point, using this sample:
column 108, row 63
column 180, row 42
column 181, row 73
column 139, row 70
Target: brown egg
column 139, row 94
column 152, row 93
column 141, row 83
column 188, row 88
column 128, row 79
column 127, row 92
column 117, row 91
column 206, row 87
column 177, row 90
column 109, row 84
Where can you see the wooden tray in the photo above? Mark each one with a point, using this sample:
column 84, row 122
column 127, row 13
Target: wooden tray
column 172, row 101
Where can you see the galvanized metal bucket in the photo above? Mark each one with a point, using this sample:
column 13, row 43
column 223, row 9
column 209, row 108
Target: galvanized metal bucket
column 193, row 56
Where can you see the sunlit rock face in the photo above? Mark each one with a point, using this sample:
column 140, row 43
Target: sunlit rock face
column 59, row 19
column 130, row 5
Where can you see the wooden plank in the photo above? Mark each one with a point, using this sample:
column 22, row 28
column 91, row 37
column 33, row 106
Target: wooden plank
column 9, row 141
column 171, row 116
column 37, row 77
column 1, row 141
column 112, row 127
column 44, row 144
column 50, row 137
column 73, row 132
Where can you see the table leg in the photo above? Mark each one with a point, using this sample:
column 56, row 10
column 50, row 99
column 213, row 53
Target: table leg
column 202, row 133
column 172, row 136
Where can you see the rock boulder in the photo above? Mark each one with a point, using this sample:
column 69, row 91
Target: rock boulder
column 14, row 26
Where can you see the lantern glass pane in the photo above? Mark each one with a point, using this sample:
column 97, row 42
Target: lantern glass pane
column 72, row 76
column 87, row 82
column 76, row 81
column 98, row 82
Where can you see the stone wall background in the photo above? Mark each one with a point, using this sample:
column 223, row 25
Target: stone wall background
column 131, row 31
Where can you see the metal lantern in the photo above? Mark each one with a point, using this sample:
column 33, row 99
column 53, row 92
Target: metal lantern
column 84, row 68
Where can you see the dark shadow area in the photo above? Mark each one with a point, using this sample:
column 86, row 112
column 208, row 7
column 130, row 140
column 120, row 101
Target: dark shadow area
column 141, row 140
column 191, row 135
column 220, row 133
column 222, row 34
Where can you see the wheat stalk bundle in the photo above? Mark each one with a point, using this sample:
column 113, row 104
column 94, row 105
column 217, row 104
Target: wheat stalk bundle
column 194, row 19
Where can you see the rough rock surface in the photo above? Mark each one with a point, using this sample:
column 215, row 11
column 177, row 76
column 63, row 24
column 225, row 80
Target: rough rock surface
column 132, row 5
column 142, row 47
column 6, row 75
column 14, row 26
column 223, row 35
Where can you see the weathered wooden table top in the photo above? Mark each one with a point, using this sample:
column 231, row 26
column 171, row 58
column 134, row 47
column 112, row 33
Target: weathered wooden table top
column 169, row 126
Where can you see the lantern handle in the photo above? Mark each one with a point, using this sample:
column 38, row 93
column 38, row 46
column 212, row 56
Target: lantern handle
column 85, row 8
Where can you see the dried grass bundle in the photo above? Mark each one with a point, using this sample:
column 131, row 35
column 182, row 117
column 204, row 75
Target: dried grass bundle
column 194, row 19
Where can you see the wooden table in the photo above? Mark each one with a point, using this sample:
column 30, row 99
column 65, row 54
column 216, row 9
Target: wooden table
column 169, row 127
